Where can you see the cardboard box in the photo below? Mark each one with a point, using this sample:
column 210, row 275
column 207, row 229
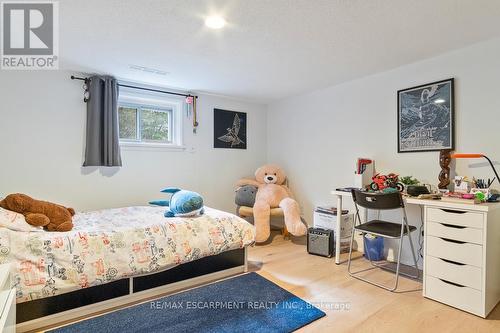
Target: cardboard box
column 325, row 220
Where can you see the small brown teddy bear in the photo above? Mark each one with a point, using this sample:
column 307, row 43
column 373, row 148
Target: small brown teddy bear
column 38, row 213
column 272, row 193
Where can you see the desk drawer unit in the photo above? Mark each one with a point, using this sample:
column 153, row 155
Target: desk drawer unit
column 459, row 253
column 456, row 217
column 462, row 274
column 456, row 295
column 454, row 232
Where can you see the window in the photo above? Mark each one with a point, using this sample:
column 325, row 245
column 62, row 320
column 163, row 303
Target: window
column 140, row 123
column 149, row 121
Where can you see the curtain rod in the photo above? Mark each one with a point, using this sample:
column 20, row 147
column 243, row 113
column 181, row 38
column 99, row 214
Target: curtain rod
column 140, row 88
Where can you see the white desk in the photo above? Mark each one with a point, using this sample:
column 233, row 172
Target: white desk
column 341, row 194
column 449, row 203
column 461, row 251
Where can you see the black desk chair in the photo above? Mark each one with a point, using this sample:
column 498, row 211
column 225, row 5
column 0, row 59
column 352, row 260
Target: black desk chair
column 382, row 201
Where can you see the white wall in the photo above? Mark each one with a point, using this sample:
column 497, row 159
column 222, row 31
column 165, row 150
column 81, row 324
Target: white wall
column 318, row 136
column 42, row 124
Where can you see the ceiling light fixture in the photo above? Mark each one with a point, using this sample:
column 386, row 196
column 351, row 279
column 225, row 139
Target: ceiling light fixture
column 215, row 22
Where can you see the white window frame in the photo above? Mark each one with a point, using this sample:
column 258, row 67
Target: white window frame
column 145, row 100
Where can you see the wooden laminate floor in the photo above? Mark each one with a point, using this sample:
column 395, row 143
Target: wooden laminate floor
column 352, row 305
column 355, row 306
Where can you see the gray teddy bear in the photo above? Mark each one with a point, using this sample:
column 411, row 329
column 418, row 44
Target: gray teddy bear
column 245, row 195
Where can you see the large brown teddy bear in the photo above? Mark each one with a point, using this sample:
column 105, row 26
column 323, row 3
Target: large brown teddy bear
column 38, row 213
column 272, row 193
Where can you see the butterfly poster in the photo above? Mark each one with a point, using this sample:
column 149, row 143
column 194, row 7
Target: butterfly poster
column 230, row 129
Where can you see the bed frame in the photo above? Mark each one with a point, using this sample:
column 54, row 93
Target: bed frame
column 50, row 311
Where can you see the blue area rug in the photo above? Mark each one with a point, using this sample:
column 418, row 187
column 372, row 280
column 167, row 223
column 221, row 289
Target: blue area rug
column 247, row 303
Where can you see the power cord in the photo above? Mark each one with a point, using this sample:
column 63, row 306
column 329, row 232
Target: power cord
column 421, row 234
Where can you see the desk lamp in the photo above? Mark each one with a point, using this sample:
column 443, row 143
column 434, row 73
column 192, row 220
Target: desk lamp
column 456, row 156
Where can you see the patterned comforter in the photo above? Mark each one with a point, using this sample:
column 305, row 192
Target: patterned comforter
column 111, row 244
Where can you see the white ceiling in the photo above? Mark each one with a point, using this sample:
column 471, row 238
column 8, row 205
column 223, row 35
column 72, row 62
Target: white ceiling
column 270, row 49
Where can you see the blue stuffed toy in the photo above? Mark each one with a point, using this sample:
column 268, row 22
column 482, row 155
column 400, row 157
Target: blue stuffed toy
column 182, row 203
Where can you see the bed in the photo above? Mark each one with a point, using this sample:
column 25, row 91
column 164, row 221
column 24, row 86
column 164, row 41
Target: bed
column 118, row 252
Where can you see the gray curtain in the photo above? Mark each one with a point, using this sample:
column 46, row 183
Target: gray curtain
column 102, row 141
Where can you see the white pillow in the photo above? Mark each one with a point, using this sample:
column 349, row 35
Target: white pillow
column 15, row 221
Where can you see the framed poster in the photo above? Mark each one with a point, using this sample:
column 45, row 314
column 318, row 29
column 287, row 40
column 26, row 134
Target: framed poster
column 426, row 117
column 230, row 129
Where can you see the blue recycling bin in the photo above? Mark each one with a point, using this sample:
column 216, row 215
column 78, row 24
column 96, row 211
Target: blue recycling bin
column 374, row 246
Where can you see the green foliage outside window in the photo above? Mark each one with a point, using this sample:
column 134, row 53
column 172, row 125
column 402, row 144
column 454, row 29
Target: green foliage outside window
column 127, row 120
column 154, row 124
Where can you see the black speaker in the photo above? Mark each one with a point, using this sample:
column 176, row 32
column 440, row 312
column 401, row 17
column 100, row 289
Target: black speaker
column 320, row 242
column 416, row 190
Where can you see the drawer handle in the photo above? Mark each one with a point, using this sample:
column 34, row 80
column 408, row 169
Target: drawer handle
column 453, row 211
column 452, row 262
column 452, row 240
column 453, row 283
column 453, row 226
